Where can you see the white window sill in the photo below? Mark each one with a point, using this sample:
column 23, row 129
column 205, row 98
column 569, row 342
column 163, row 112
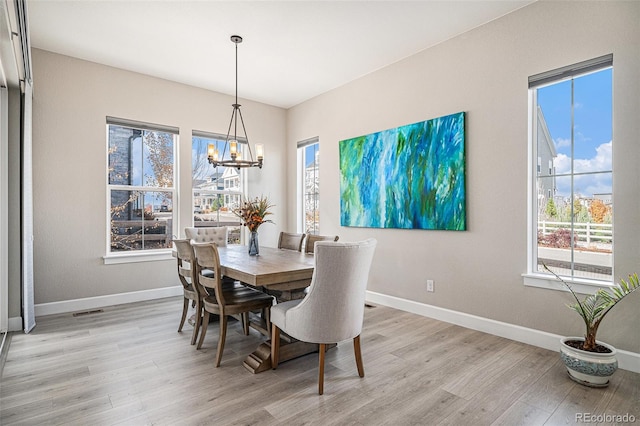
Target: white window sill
column 582, row 286
column 150, row 256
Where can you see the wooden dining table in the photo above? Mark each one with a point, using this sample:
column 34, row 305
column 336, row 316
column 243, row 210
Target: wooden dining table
column 285, row 272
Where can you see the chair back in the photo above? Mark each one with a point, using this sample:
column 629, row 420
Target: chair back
column 207, row 259
column 217, row 235
column 311, row 240
column 185, row 258
column 290, row 241
column 333, row 310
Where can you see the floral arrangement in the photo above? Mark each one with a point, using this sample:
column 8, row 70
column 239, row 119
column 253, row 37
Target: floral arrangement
column 253, row 212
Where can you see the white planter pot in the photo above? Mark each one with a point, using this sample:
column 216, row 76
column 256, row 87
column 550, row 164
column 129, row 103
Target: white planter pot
column 589, row 368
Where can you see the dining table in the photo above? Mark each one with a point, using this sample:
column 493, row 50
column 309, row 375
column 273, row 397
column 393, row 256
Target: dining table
column 285, row 273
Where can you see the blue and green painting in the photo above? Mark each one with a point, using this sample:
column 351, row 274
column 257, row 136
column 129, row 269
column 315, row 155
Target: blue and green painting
column 410, row 177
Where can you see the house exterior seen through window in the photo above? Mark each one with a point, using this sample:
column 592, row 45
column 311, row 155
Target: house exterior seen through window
column 309, row 168
column 141, row 165
column 572, row 198
column 216, row 191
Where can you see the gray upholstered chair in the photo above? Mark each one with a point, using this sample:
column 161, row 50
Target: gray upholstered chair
column 290, row 241
column 333, row 310
column 223, row 301
column 311, row 240
column 217, row 235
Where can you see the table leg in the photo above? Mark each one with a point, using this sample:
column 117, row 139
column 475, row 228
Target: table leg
column 260, row 359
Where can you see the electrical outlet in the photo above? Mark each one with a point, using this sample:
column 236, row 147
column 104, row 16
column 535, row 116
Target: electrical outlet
column 430, row 285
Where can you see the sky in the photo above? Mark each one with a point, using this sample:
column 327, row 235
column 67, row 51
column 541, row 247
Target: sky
column 592, row 129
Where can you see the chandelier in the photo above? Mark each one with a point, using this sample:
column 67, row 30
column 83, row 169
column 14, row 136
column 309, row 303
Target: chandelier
column 231, row 145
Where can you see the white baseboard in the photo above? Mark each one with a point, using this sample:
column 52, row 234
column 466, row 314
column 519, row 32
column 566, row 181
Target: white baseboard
column 15, row 324
column 76, row 305
column 626, row 360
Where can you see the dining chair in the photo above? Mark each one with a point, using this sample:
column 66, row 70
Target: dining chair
column 311, row 240
column 224, row 301
column 290, row 241
column 333, row 310
column 185, row 267
column 217, row 234
column 185, row 258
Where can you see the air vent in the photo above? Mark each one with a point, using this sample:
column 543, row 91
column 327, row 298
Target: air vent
column 95, row 311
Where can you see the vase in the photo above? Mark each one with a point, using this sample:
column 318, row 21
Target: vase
column 589, row 368
column 254, row 249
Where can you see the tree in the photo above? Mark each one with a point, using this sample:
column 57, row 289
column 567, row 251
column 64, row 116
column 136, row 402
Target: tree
column 598, row 210
column 551, row 209
column 160, row 146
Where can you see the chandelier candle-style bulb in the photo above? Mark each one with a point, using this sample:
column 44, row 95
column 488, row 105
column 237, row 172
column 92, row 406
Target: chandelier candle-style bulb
column 233, row 148
column 259, row 151
column 211, row 149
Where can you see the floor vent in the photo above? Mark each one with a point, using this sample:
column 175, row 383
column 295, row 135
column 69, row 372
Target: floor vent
column 95, row 311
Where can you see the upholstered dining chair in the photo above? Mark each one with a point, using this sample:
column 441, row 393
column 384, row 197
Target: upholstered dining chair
column 333, row 310
column 311, row 240
column 290, row 241
column 223, row 301
column 217, row 235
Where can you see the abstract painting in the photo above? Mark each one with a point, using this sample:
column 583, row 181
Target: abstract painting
column 410, row 177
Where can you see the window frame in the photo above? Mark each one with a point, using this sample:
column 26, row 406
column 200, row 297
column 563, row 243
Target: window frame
column 301, row 181
column 532, row 277
column 132, row 256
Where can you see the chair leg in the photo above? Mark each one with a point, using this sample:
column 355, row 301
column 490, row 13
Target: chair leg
column 275, row 345
column 198, row 323
column 203, row 332
column 185, row 308
column 321, row 369
column 223, row 336
column 358, row 353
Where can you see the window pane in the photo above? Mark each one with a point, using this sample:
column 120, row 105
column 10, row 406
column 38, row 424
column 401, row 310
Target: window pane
column 141, row 220
column 574, row 192
column 592, row 116
column 140, row 158
column 216, row 191
column 311, row 192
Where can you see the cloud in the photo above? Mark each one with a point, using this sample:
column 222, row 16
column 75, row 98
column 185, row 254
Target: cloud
column 586, row 185
column 561, row 143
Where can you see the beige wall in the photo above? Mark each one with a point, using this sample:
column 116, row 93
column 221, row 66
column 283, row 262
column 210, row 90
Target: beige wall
column 484, row 72
column 71, row 100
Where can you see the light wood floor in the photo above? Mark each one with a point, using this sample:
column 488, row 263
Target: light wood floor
column 128, row 365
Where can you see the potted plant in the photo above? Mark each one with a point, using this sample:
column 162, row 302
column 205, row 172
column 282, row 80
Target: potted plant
column 589, row 361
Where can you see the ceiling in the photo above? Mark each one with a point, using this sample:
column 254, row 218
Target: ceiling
column 292, row 50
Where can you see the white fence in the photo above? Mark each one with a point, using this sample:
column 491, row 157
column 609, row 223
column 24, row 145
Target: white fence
column 586, row 233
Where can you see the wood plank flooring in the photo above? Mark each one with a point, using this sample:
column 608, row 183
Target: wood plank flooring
column 129, row 366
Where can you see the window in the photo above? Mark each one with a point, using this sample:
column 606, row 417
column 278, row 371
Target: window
column 216, row 192
column 141, row 175
column 308, row 185
column 572, row 201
